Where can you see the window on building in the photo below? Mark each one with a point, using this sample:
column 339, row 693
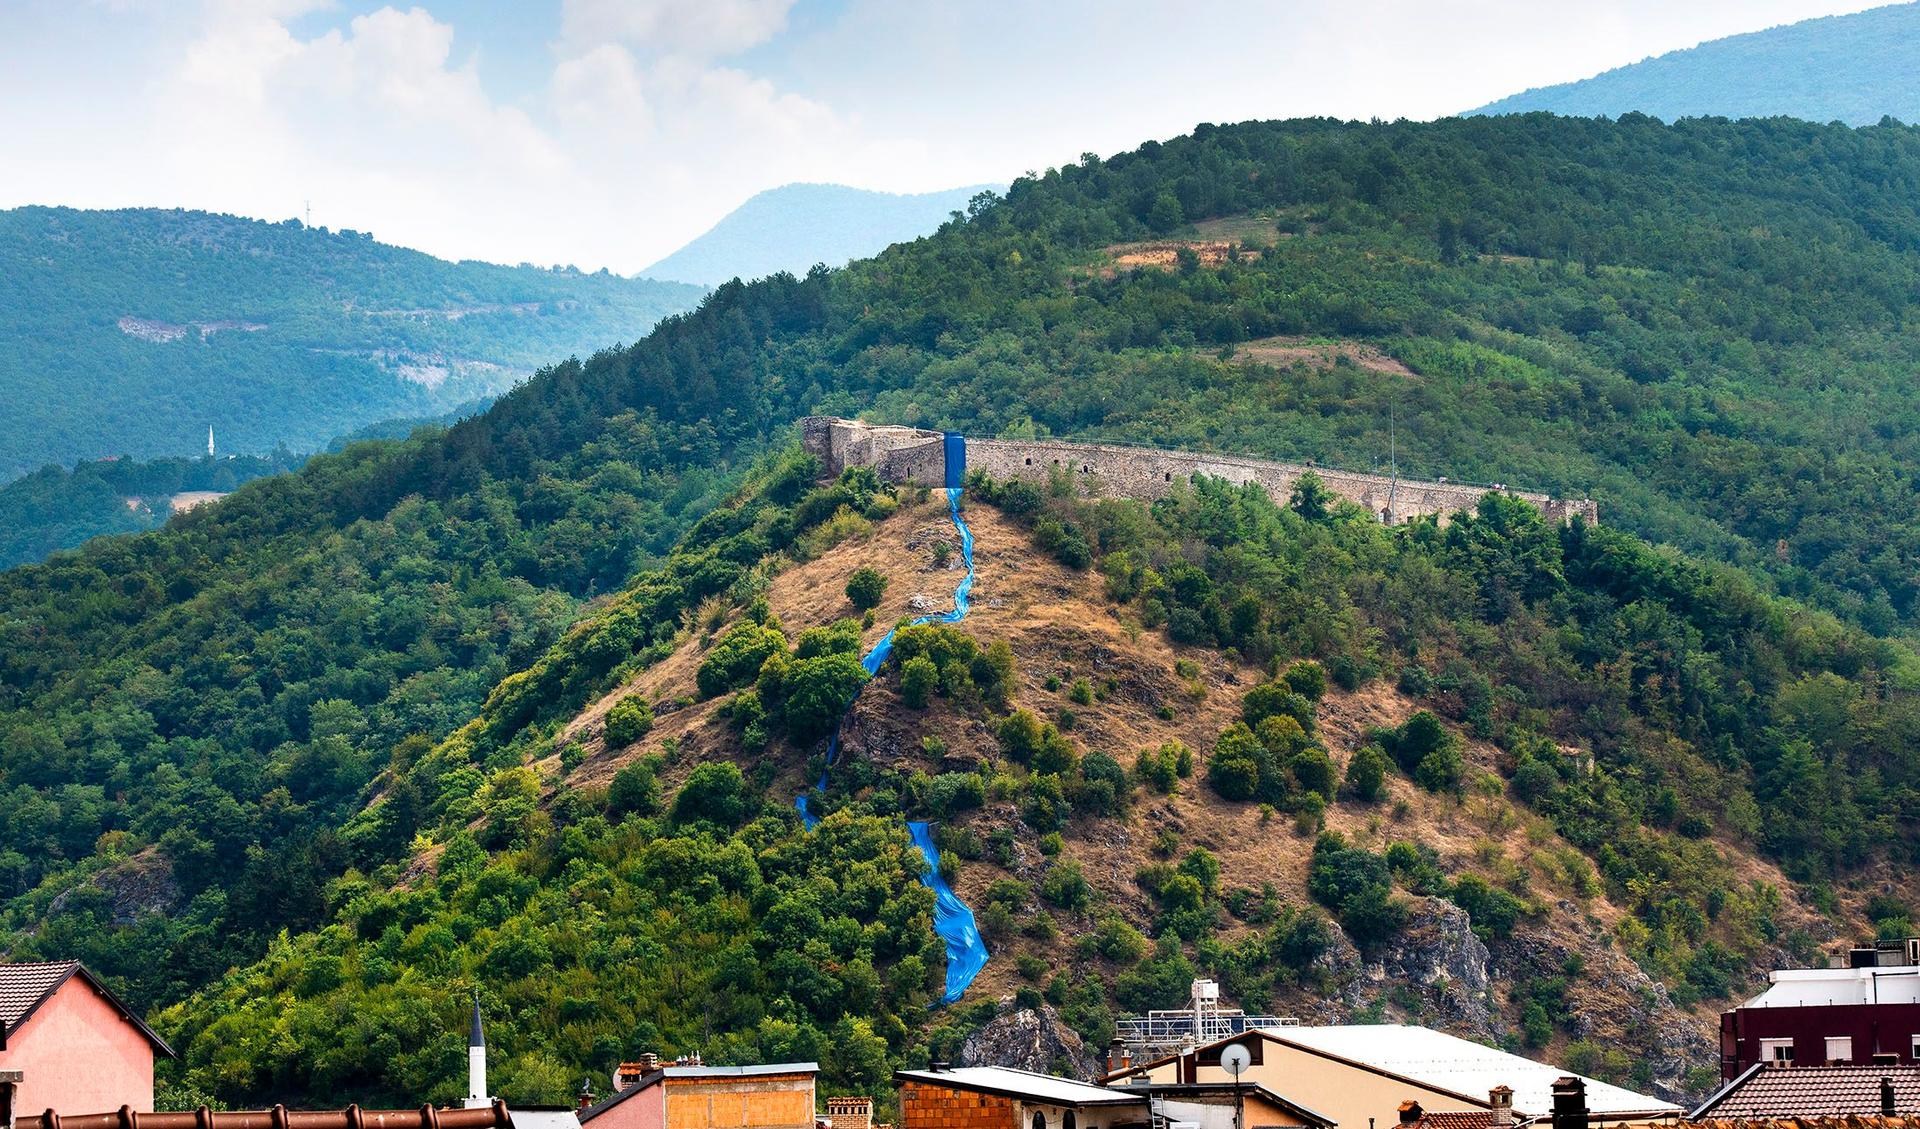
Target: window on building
column 1066, row 1120
column 1776, row 1050
column 1839, row 1048
column 1039, row 1120
column 1913, row 1051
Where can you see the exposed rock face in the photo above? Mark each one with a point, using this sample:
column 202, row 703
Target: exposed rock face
column 1614, row 999
column 1438, row 955
column 1434, row 972
column 138, row 885
column 1029, row 1039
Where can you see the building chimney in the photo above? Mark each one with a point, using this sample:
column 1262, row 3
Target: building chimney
column 586, row 1092
column 1569, row 1103
column 476, row 1061
column 1500, row 1101
column 1886, row 1096
column 1410, row 1112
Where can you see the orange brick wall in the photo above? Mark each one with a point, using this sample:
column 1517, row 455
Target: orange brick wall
column 701, row 1103
column 936, row 1107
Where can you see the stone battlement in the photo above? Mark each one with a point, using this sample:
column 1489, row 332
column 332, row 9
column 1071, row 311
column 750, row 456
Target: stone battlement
column 911, row 454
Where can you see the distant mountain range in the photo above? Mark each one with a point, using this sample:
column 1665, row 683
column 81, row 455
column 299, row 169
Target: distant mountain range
column 131, row 332
column 1855, row 69
column 793, row 227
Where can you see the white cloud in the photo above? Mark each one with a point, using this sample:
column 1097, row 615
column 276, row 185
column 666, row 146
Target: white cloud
column 602, row 90
column 696, row 28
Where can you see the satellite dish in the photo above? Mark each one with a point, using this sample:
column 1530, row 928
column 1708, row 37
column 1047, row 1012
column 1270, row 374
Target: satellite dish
column 1235, row 1060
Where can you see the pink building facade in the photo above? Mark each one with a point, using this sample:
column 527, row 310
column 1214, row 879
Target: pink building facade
column 67, row 1045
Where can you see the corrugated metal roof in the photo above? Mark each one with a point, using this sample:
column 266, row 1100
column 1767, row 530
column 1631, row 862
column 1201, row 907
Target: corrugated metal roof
column 1435, row 1058
column 544, row 1118
column 1813, row 1091
column 1023, row 1084
column 756, row 1070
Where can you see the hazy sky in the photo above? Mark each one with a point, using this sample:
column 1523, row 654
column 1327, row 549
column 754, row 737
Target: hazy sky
column 608, row 132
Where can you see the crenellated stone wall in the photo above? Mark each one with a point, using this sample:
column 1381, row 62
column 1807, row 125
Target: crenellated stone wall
column 906, row 454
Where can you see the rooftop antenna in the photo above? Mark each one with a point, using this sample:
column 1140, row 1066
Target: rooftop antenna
column 309, row 213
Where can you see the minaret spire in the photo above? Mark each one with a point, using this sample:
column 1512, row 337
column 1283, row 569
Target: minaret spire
column 476, row 1060
column 209, row 440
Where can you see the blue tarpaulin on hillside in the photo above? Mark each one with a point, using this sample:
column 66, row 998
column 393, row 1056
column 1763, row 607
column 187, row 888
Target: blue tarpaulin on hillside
column 952, row 920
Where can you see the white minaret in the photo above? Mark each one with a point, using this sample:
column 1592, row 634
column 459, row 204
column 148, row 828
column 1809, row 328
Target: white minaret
column 209, row 440
column 477, row 1062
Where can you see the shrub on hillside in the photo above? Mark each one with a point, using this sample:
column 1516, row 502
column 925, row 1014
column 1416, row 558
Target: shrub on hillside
column 1307, row 679
column 818, row 690
column 629, row 720
column 865, row 587
column 1367, row 774
column 1357, row 886
column 1234, row 769
column 714, row 793
column 918, row 678
column 737, row 657
column 1271, row 699
column 635, row 790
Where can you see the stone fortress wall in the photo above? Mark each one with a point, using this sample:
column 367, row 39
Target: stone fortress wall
column 910, row 454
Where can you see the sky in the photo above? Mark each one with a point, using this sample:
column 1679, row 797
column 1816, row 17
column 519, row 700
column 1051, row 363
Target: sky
column 606, row 133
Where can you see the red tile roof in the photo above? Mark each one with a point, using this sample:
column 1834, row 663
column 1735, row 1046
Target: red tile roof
column 24, row 987
column 494, row 1116
column 1855, row 1121
column 1769, row 1091
column 1463, row 1119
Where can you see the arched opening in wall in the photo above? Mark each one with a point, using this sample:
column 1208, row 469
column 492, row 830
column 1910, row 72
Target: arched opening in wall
column 1086, row 469
column 1029, row 460
column 1039, row 1120
column 1056, row 462
column 1067, row 1120
column 1169, row 476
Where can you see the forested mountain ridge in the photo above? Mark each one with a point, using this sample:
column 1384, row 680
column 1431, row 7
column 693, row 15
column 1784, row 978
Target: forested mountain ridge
column 1855, row 68
column 284, row 706
column 130, row 332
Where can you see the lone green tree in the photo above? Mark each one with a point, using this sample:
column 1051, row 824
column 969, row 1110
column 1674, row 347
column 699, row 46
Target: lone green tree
column 865, row 587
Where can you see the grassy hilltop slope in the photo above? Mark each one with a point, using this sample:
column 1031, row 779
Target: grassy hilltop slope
column 364, row 704
column 130, row 332
column 1855, row 68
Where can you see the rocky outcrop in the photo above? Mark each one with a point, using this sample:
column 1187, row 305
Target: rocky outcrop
column 1613, row 999
column 1030, row 1039
column 1438, row 955
column 1435, row 971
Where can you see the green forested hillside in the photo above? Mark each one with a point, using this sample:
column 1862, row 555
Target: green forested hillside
column 131, row 332
column 1855, row 68
column 1702, row 324
column 59, row 508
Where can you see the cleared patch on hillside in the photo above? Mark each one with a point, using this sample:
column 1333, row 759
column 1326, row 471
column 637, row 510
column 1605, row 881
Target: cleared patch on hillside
column 1164, row 254
column 1320, row 352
